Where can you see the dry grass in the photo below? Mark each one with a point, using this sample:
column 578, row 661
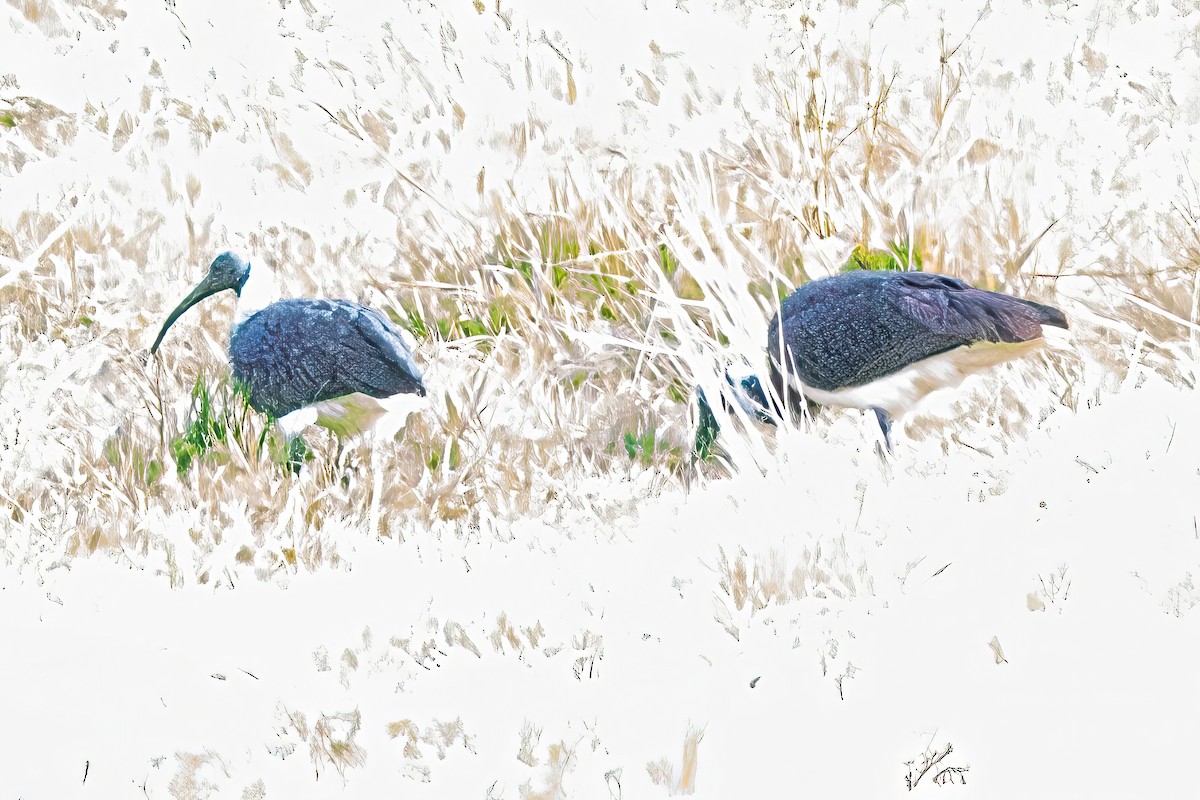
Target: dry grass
column 662, row 773
column 933, row 761
column 576, row 238
column 560, row 760
column 823, row 571
column 190, row 781
column 564, row 310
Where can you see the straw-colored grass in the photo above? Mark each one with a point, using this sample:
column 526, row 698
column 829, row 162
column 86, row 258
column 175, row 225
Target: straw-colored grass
column 576, row 236
column 563, row 325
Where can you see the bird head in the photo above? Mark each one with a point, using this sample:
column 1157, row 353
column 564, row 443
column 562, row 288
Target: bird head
column 227, row 271
column 749, row 393
column 754, row 400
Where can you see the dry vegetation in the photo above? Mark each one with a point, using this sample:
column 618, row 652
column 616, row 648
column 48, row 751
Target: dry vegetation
column 565, row 311
column 576, row 238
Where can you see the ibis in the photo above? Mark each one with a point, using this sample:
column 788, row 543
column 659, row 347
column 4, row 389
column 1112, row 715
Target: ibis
column 303, row 361
column 882, row 340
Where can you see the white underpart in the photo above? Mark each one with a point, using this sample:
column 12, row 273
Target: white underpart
column 395, row 413
column 385, row 417
column 258, row 292
column 1056, row 338
column 293, row 424
column 899, row 392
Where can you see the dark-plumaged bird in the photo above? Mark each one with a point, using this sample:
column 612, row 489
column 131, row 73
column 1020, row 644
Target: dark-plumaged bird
column 301, row 360
column 883, row 340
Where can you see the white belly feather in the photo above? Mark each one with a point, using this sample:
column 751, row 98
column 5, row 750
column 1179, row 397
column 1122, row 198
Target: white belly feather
column 898, row 392
column 354, row 414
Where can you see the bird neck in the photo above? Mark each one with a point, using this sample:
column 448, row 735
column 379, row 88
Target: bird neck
column 257, row 292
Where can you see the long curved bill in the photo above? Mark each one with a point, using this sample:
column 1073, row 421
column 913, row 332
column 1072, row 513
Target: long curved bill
column 204, row 289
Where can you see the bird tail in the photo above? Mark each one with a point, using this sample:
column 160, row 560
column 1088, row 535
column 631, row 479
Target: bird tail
column 991, row 316
column 1048, row 315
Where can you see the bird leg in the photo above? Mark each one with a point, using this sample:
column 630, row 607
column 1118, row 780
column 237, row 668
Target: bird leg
column 885, row 425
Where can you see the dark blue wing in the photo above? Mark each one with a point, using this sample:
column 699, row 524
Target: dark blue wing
column 376, row 361
column 855, row 328
column 297, row 352
column 945, row 305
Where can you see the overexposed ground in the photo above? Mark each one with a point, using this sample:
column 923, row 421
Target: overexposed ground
column 1018, row 583
column 638, row 642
